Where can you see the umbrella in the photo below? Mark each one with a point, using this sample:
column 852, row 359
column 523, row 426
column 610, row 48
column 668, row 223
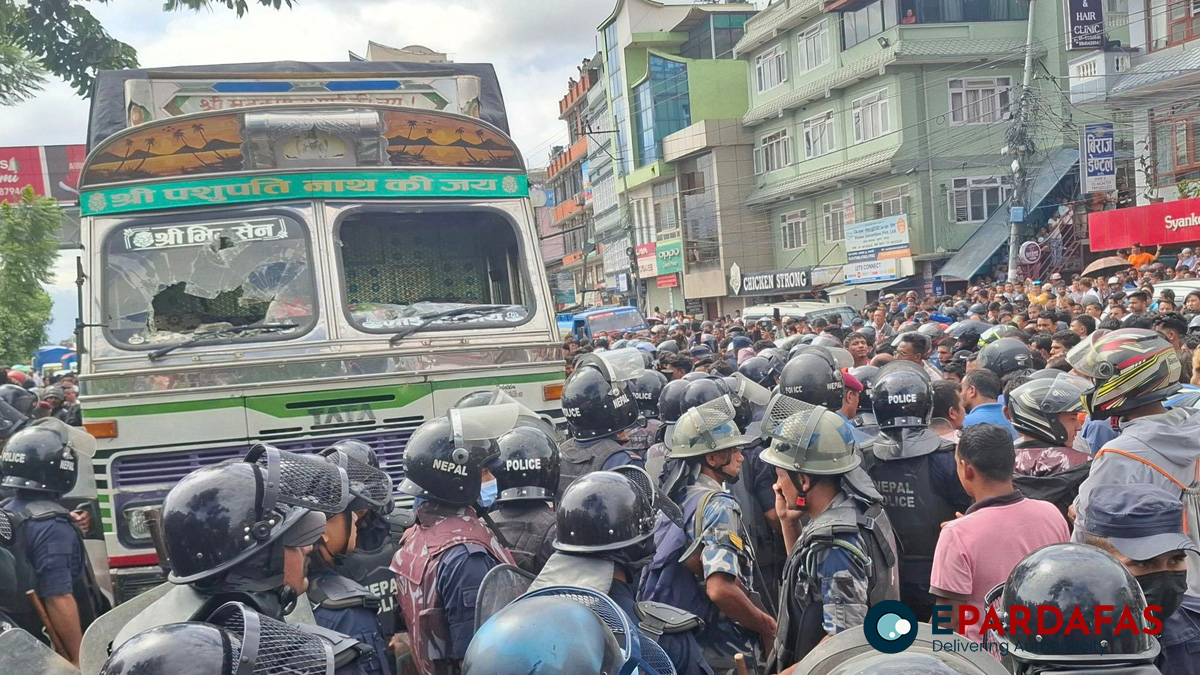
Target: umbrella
column 970, row 325
column 1105, row 266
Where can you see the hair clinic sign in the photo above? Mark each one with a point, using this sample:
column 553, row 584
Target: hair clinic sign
column 1169, row 223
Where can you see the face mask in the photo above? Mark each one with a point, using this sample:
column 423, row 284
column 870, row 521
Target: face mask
column 487, row 494
column 1164, row 589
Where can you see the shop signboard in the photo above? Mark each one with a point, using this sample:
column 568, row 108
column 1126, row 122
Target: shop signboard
column 1097, row 163
column 51, row 170
column 873, row 270
column 879, row 239
column 773, row 282
column 647, row 262
column 693, row 307
column 668, row 281
column 669, row 256
column 1174, row 223
column 1085, row 24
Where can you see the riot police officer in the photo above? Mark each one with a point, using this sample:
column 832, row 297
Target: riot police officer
column 444, row 557
column 241, row 531
column 848, row 536
column 914, row 469
column 605, row 523
column 813, row 376
column 340, row 603
column 526, row 471
column 41, row 464
column 1074, row 579
column 707, row 566
column 646, row 389
column 600, row 412
column 849, row 653
column 234, row 640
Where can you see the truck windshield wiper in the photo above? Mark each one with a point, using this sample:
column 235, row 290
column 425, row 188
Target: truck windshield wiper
column 220, row 332
column 430, row 318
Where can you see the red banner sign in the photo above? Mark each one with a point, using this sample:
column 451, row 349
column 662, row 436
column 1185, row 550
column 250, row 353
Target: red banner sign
column 668, row 281
column 1169, row 223
column 51, row 170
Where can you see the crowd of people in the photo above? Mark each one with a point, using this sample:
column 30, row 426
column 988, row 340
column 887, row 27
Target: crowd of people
column 57, row 394
column 727, row 496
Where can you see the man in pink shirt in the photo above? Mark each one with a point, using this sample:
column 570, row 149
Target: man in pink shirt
column 978, row 551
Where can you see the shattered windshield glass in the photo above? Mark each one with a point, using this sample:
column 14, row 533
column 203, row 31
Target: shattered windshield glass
column 166, row 283
column 400, row 268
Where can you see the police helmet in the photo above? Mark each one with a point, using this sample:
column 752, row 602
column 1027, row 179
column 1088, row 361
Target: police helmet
column 596, row 406
column 668, row 346
column 235, row 640
column 1005, row 356
column 701, row 391
column 219, row 517
column 933, row 331
column 978, row 308
column 815, row 379
column 1035, row 406
column 996, row 332
column 1130, row 368
column 775, row 355
column 811, row 439
column 603, row 511
column 445, row 456
column 760, row 370
column 42, row 458
column 826, row 340
column 670, row 400
column 577, row 630
column 710, row 427
column 527, row 465
column 20, row 398
column 1073, row 578
column 370, row 485
column 646, row 390
column 902, row 398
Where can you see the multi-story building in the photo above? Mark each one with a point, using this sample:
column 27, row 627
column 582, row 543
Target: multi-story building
column 681, row 163
column 1146, row 77
column 878, row 127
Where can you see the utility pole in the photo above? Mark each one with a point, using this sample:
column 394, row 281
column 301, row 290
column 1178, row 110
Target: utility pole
column 1019, row 146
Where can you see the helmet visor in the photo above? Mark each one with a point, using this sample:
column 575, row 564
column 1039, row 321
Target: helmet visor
column 483, row 423
column 662, row 503
column 271, row 647
column 367, row 483
column 300, row 480
column 618, row 365
column 80, row 441
column 714, row 424
column 749, row 390
column 1086, row 359
column 779, row 409
column 1065, row 394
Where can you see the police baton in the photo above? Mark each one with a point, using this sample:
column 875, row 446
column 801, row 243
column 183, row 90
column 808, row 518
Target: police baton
column 36, row 601
column 739, row 664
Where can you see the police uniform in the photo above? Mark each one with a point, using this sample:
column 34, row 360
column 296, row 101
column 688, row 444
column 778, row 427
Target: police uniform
column 915, row 472
column 714, row 531
column 642, row 437
column 347, row 607
column 367, row 564
column 755, row 495
column 580, row 457
column 528, row 527
column 439, row 567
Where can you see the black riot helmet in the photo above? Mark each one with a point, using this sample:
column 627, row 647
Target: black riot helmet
column 231, row 520
column 812, row 378
column 670, row 400
column 668, row 347
column 595, row 406
column 1004, row 356
column 370, row 485
column 235, row 640
column 761, row 371
column 701, row 391
column 902, row 398
column 1073, row 578
column 445, row 457
column 646, row 390
column 1035, row 406
column 527, row 467
column 866, row 376
column 603, row 511
column 20, row 398
column 12, row 420
column 41, row 457
column 775, row 355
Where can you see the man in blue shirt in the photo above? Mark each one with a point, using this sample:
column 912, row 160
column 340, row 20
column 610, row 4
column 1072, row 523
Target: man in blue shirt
column 980, row 394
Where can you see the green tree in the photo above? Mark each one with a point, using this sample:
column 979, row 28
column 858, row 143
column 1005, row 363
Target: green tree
column 62, row 38
column 28, row 249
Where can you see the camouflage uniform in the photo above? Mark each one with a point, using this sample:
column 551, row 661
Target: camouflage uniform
column 724, row 547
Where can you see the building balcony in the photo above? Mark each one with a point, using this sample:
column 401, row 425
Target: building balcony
column 576, row 94
column 910, row 44
column 568, row 208
column 569, row 157
column 774, row 21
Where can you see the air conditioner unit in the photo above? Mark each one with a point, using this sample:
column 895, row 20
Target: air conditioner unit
column 580, row 200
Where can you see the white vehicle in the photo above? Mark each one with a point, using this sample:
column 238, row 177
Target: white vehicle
column 810, row 310
column 305, row 261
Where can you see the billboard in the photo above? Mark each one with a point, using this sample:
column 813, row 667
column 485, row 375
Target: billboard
column 1085, row 24
column 51, row 170
column 880, row 239
column 647, row 260
column 1174, row 223
column 669, row 254
column 1097, row 161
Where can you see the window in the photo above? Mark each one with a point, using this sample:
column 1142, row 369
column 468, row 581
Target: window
column 868, row 21
column 966, row 11
column 982, row 100
column 773, row 152
column 170, row 281
column 771, row 69
column 871, row 118
column 814, row 46
column 661, row 107
column 666, row 207
column 835, row 221
column 818, row 136
column 1173, row 22
column 974, row 200
column 1176, row 143
column 794, row 227
column 891, row 201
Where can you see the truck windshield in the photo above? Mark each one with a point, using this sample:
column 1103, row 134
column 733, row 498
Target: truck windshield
column 165, row 283
column 616, row 322
column 400, row 268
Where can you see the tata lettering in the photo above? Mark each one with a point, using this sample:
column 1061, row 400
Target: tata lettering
column 341, row 414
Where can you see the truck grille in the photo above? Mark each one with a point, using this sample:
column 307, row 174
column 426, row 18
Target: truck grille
column 161, row 468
